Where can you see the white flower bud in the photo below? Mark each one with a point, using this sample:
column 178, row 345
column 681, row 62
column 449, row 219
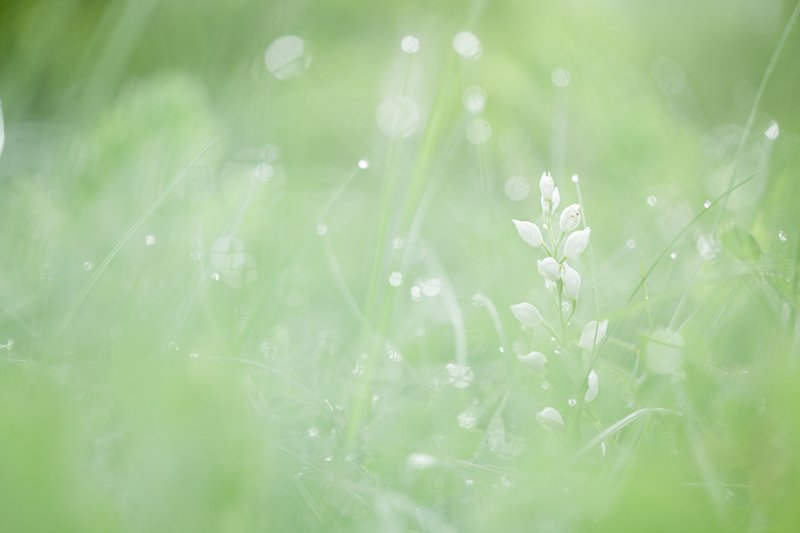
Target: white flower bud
column 594, row 387
column 546, row 185
column 576, row 243
column 550, row 284
column 572, row 282
column 529, row 232
column 570, row 218
column 545, row 206
column 527, row 314
column 548, row 267
column 550, row 420
column 556, row 198
column 588, row 334
column 534, row 363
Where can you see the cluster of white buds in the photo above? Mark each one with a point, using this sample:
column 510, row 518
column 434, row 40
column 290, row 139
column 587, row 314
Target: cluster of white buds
column 554, row 268
column 568, row 244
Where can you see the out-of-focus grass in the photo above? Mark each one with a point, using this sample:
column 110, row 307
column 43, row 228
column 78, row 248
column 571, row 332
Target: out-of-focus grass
column 188, row 395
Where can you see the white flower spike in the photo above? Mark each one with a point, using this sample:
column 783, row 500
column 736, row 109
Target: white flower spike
column 594, row 387
column 588, row 334
column 550, row 420
column 570, row 218
column 576, row 243
column 548, row 267
column 529, row 232
column 556, row 198
column 534, row 363
column 572, row 282
column 527, row 314
column 546, row 186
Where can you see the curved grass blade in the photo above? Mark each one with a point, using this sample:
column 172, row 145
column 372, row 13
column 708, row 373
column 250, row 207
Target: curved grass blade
column 620, row 424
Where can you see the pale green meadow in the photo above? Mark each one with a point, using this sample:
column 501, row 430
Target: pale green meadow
column 483, row 266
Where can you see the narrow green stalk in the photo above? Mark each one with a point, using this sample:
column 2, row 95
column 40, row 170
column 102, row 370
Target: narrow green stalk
column 646, row 298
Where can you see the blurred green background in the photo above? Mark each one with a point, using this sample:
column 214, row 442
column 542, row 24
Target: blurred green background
column 243, row 363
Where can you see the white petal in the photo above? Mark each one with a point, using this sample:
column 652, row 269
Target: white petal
column 572, row 282
column 549, row 269
column 546, row 186
column 534, row 363
column 594, row 387
column 556, row 198
column 550, row 420
column 529, row 232
column 527, row 314
column 588, row 334
column 576, row 243
column 570, row 218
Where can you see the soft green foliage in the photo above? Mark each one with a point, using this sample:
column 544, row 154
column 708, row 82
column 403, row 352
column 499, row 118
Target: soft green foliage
column 287, row 340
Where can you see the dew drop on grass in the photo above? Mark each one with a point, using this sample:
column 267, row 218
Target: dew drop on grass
column 87, row 266
column 502, row 350
column 287, row 57
column 517, row 189
column 479, row 131
column 772, row 131
column 651, row 200
column 466, row 420
column 431, row 287
column 630, row 244
column 395, row 279
column 409, row 44
column 707, row 204
column 460, row 375
column 328, row 459
column 215, row 276
column 322, row 229
column 782, row 236
column 397, row 116
column 468, row 45
column 560, row 77
column 363, row 163
column 150, row 240
column 474, row 98
column 673, row 255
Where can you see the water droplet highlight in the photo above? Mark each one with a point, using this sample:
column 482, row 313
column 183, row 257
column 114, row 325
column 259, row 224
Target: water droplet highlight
column 395, row 279
column 322, row 229
column 651, row 200
column 150, row 240
column 363, row 163
column 409, row 44
column 87, row 266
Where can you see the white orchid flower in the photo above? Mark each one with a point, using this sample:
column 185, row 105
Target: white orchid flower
column 550, row 420
column 534, row 363
column 529, row 232
column 527, row 314
column 594, row 387
column 549, row 268
column 546, row 186
column 588, row 334
column 570, row 218
column 571, row 280
column 576, row 243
